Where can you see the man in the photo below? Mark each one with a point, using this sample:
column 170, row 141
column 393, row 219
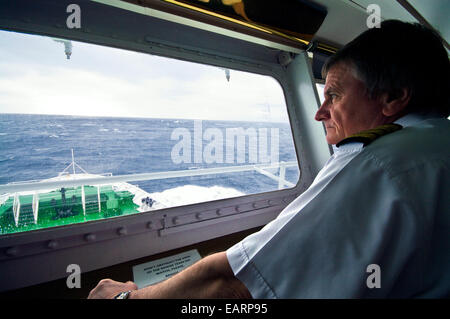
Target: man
column 375, row 221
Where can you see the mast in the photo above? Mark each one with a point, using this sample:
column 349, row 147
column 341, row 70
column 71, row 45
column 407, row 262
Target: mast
column 73, row 162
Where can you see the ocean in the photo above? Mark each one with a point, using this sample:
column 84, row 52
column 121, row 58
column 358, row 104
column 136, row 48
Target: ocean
column 36, row 147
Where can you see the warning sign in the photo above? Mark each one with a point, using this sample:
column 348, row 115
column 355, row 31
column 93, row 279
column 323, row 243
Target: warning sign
column 161, row 269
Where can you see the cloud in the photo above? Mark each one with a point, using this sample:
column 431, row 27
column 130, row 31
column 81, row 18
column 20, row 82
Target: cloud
column 129, row 84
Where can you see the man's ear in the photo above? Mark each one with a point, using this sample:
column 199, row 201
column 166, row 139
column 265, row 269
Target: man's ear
column 394, row 104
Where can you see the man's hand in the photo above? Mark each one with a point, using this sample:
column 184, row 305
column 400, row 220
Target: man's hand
column 210, row 277
column 108, row 289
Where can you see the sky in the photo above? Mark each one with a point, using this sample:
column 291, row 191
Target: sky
column 37, row 78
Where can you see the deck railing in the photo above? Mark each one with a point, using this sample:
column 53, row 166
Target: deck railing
column 13, row 189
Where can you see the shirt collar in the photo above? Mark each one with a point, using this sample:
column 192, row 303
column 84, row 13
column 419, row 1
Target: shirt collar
column 412, row 119
column 406, row 120
column 348, row 148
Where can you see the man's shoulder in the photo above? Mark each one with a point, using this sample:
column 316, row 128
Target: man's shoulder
column 411, row 146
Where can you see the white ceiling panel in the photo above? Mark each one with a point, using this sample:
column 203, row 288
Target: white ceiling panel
column 347, row 18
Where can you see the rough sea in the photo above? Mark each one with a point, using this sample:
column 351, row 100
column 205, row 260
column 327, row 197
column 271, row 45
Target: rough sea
column 36, row 147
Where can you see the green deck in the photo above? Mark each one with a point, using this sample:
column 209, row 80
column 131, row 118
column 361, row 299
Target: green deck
column 53, row 212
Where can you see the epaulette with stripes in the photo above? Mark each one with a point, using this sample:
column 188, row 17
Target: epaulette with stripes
column 368, row 136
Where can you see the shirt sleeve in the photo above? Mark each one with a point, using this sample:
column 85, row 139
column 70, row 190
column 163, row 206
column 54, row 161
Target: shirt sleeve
column 361, row 218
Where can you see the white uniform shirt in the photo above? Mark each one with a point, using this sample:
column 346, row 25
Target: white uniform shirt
column 361, row 211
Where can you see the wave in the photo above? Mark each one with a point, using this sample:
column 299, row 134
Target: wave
column 41, row 149
column 5, row 159
column 190, row 194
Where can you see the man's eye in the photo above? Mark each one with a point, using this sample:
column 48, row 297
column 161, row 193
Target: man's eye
column 332, row 96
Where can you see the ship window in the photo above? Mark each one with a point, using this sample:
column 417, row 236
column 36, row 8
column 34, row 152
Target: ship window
column 320, row 87
column 91, row 132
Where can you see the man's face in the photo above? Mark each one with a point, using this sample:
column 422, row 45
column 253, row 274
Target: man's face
column 346, row 109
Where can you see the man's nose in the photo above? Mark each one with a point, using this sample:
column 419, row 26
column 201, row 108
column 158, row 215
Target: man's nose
column 322, row 113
